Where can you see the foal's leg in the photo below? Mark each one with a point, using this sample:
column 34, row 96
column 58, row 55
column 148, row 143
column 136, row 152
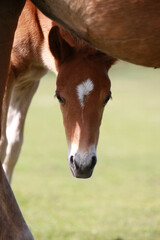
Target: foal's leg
column 19, row 104
column 6, row 101
column 9, row 14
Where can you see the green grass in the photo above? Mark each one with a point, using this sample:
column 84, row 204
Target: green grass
column 122, row 199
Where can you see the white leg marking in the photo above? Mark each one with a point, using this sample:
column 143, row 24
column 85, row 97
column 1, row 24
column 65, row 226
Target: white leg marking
column 83, row 90
column 19, row 104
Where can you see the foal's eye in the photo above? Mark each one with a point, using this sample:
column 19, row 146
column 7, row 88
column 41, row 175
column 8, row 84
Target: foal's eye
column 60, row 99
column 107, row 99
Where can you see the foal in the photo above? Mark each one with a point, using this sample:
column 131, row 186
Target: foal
column 83, row 88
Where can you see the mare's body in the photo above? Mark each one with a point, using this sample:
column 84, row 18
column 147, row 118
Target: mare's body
column 124, row 29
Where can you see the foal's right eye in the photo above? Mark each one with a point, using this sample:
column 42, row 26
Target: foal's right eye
column 60, row 99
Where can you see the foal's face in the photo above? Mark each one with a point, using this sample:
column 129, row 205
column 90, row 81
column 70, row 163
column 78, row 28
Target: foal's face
column 83, row 89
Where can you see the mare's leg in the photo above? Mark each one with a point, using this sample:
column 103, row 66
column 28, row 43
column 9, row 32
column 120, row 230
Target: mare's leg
column 12, row 223
column 18, row 107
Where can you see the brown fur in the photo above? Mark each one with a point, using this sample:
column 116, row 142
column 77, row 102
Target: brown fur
column 127, row 30
column 8, row 24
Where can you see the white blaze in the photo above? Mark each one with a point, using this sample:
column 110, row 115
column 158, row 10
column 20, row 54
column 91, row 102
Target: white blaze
column 83, row 90
column 74, row 145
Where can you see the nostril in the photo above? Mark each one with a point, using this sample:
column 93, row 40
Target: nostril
column 73, row 163
column 94, row 161
column 71, row 159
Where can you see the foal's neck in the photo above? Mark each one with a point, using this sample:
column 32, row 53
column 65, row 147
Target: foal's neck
column 30, row 47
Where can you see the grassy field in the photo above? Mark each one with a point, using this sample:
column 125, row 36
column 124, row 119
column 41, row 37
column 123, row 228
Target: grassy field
column 122, row 199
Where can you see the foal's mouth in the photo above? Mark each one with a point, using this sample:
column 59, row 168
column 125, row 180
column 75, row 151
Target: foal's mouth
column 81, row 175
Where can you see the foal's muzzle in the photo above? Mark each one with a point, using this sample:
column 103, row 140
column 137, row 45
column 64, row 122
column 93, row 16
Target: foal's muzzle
column 82, row 165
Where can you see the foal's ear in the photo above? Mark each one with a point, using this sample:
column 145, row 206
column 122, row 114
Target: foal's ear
column 58, row 46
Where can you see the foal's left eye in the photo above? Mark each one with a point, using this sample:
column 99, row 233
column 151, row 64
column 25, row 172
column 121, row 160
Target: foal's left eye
column 60, row 99
column 107, row 99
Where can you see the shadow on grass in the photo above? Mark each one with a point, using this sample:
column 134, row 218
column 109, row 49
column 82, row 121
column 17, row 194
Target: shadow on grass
column 118, row 238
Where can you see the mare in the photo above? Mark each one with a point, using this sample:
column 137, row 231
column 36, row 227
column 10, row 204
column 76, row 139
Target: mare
column 83, row 88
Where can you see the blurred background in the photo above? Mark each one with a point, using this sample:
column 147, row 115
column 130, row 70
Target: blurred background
column 122, row 199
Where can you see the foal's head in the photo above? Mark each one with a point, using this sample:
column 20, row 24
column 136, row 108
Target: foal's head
column 83, row 90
